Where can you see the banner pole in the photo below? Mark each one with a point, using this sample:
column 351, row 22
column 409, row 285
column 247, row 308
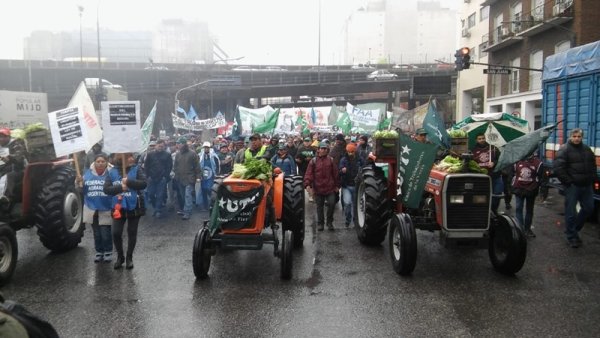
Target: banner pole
column 76, row 162
column 123, row 165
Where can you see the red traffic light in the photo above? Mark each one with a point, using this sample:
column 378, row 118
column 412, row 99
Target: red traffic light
column 465, row 51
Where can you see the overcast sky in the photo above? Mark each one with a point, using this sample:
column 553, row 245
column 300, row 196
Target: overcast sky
column 261, row 31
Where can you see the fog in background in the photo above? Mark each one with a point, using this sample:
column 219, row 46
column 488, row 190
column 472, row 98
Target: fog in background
column 262, row 31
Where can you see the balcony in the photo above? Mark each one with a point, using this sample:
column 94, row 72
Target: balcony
column 540, row 21
column 502, row 37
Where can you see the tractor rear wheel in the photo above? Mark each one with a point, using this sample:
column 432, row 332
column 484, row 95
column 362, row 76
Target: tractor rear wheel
column 402, row 239
column 58, row 211
column 371, row 206
column 292, row 216
column 286, row 254
column 9, row 251
column 507, row 246
column 200, row 254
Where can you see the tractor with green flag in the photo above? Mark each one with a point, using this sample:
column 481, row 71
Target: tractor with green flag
column 452, row 199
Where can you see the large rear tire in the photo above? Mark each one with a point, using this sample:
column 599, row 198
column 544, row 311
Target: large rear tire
column 507, row 246
column 292, row 216
column 58, row 211
column 402, row 240
column 9, row 251
column 200, row 254
column 371, row 206
column 286, row 254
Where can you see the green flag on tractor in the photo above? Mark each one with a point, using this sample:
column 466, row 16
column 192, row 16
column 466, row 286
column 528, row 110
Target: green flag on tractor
column 416, row 160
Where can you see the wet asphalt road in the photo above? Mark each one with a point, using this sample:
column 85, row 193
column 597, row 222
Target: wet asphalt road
column 339, row 288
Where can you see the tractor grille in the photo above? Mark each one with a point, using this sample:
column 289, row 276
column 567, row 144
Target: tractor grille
column 468, row 215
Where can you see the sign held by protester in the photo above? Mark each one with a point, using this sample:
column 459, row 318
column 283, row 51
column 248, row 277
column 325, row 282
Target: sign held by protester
column 69, row 134
column 121, row 125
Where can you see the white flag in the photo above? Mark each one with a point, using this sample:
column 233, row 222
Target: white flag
column 82, row 99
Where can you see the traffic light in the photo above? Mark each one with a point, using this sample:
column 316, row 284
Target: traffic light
column 466, row 58
column 458, row 61
column 462, row 59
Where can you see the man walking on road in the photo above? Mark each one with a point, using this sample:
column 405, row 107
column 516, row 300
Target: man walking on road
column 575, row 167
column 187, row 171
column 158, row 168
column 322, row 178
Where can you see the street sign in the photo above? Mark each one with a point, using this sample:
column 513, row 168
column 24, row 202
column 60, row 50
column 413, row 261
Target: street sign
column 502, row 71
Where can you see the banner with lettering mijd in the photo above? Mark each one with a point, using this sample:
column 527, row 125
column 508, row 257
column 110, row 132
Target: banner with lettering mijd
column 122, row 127
column 69, row 134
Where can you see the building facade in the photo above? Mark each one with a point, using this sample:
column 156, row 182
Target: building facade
column 399, row 32
column 180, row 41
column 471, row 87
column 521, row 35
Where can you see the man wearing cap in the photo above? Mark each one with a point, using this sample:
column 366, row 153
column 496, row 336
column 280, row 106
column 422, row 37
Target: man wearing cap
column 349, row 167
column 158, row 166
column 209, row 166
column 322, row 178
column 363, row 149
column 305, row 153
column 421, row 135
column 284, row 161
column 12, row 166
column 255, row 150
column 187, row 172
column 226, row 159
column 273, row 145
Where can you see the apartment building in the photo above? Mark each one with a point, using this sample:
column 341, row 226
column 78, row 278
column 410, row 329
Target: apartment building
column 521, row 35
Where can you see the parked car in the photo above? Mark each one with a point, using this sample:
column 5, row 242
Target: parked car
column 405, row 67
column 382, row 74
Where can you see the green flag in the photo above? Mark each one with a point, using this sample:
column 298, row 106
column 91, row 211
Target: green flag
column 334, row 113
column 385, row 124
column 415, row 160
column 147, row 128
column 269, row 124
column 302, row 124
column 344, row 123
column 433, row 124
column 236, row 130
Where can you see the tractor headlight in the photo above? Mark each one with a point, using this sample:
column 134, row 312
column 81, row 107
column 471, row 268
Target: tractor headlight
column 479, row 199
column 457, row 199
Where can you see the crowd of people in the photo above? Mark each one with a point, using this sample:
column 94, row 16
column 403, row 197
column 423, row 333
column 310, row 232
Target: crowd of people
column 176, row 175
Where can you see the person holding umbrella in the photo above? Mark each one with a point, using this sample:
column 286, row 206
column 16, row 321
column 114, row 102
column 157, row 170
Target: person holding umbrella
column 486, row 155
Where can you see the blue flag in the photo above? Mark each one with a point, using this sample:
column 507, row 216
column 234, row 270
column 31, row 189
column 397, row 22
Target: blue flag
column 313, row 115
column 181, row 110
column 191, row 115
column 434, row 125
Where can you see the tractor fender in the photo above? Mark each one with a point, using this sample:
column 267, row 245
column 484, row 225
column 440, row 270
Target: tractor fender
column 278, row 195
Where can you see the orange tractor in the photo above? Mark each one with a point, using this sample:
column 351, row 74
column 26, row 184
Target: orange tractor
column 247, row 213
column 457, row 205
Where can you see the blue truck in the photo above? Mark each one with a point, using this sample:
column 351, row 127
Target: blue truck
column 571, row 94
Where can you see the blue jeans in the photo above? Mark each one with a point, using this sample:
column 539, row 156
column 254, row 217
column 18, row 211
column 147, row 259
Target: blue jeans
column 529, row 203
column 573, row 220
column 185, row 192
column 156, row 193
column 102, row 237
column 348, row 202
column 497, row 190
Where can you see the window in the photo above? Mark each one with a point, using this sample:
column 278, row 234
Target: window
column 562, row 46
column 496, row 85
column 473, row 53
column 484, row 13
column 515, row 17
column 514, row 76
column 482, row 47
column 471, row 20
column 537, row 10
column 536, row 60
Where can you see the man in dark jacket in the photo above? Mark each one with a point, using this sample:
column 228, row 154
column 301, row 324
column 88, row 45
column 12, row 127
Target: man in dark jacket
column 486, row 155
column 158, row 168
column 350, row 165
column 13, row 155
column 575, row 167
column 322, row 178
column 363, row 149
column 187, row 172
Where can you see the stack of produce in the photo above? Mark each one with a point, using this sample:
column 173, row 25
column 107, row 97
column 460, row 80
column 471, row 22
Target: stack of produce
column 253, row 169
column 454, row 165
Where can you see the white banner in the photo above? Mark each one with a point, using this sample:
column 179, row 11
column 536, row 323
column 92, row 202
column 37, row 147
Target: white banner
column 82, row 99
column 18, row 109
column 121, row 124
column 69, row 134
column 198, row 125
column 363, row 119
column 253, row 117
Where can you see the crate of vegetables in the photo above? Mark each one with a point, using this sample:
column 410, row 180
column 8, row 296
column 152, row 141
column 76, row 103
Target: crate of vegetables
column 37, row 136
column 459, row 142
column 386, row 144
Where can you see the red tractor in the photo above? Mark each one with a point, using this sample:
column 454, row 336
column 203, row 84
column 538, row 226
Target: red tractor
column 457, row 205
column 51, row 202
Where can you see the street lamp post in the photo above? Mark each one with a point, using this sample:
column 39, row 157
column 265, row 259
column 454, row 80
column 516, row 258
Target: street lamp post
column 80, row 35
column 192, row 86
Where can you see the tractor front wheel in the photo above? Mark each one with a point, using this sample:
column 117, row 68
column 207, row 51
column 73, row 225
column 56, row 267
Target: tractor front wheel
column 402, row 239
column 507, row 246
column 58, row 211
column 200, row 254
column 371, row 207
